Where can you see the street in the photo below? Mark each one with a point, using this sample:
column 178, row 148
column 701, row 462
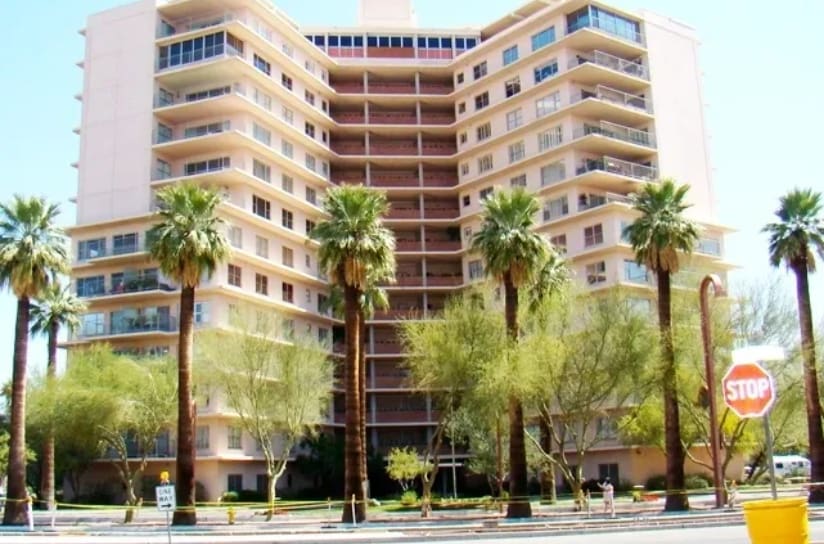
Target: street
column 715, row 535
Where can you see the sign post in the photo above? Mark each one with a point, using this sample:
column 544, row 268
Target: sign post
column 749, row 391
column 166, row 502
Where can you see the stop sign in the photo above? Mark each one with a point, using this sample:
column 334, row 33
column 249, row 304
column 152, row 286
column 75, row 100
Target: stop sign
column 748, row 390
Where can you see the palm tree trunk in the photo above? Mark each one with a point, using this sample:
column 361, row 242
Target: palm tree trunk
column 676, row 497
column 185, row 513
column 353, row 446
column 519, row 506
column 47, row 455
column 15, row 511
column 811, row 392
column 362, row 392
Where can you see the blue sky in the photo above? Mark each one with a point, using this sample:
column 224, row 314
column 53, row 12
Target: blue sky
column 763, row 86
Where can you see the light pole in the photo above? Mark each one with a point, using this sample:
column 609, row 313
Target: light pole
column 713, row 281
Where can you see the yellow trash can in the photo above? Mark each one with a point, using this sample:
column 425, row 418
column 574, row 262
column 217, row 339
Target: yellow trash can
column 782, row 521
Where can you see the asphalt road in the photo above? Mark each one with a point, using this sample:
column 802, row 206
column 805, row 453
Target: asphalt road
column 715, row 535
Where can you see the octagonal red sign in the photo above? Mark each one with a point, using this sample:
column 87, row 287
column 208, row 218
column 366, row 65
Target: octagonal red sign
column 748, row 390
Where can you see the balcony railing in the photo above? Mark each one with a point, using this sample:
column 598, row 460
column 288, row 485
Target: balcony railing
column 387, row 347
column 614, row 96
column 606, row 25
column 393, row 148
column 409, row 279
column 617, row 132
column 348, row 87
column 444, row 280
column 438, row 148
column 440, row 180
column 443, row 245
column 709, row 246
column 431, row 87
column 390, row 87
column 394, row 179
column 127, row 287
column 401, row 416
column 349, row 117
column 629, row 67
column 348, row 148
column 393, row 118
column 403, row 213
column 441, row 213
column 140, row 325
column 619, row 167
column 408, row 245
column 437, row 118
column 588, row 202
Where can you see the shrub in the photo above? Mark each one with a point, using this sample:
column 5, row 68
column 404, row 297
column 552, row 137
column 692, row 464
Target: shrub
column 697, row 481
column 409, row 498
column 251, row 495
column 229, row 496
column 656, row 483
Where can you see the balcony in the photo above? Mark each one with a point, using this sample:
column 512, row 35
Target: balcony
column 348, row 87
column 436, row 87
column 128, row 286
column 618, row 167
column 391, row 87
column 393, row 117
column 408, row 279
column 348, row 176
column 617, row 97
column 394, row 179
column 607, row 25
column 393, row 148
column 443, row 245
column 349, row 117
column 400, row 211
column 144, row 324
column 352, row 147
column 709, row 246
column 617, row 132
column 390, row 382
column 444, row 280
column 446, row 212
column 440, row 178
column 393, row 314
column 436, row 148
column 408, row 245
column 387, row 347
column 632, row 68
column 400, row 416
column 590, row 201
column 437, row 117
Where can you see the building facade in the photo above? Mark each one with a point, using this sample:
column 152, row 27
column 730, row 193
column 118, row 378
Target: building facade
column 579, row 102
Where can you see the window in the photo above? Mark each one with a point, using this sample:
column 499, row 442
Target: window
column 543, row 38
column 483, row 131
column 91, row 249
column 235, row 438
column 625, row 232
column 311, row 162
column 262, row 64
column 516, row 151
column 553, row 173
column 467, row 234
column 465, row 169
column 261, row 284
column 202, row 437
column 287, row 183
column 211, row 165
column 201, row 130
column 288, row 292
column 163, row 170
column 261, row 170
column 607, row 428
column 308, row 261
column 510, row 55
column 559, row 242
column 593, row 16
column 164, row 133
column 310, row 226
column 261, row 207
column 476, row 269
column 234, row 482
column 550, row 138
column 287, row 149
column 261, row 134
column 548, row 104
column 485, row 163
column 596, row 272
column 197, row 49
column 309, row 129
column 311, row 196
column 235, row 274
column 512, row 86
column 262, row 247
column 92, row 324
column 479, row 70
column 287, row 219
column 514, row 119
column 91, row 287
column 459, row 78
column 518, row 181
column 286, row 81
column 467, row 200
column 482, row 100
column 485, row 193
column 309, row 97
column 462, row 107
column 123, row 244
column 236, row 236
column 546, row 71
column 288, row 50
column 558, row 207
column 288, row 257
column 593, row 235
column 308, row 298
column 634, row 272
column 288, row 115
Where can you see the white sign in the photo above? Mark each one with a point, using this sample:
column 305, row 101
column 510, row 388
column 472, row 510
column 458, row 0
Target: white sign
column 165, row 497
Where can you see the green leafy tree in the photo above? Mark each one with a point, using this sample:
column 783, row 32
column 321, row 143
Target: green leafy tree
column 795, row 238
column 277, row 382
column 452, row 357
column 512, row 254
column 32, row 252
column 356, row 249
column 659, row 236
column 57, row 307
column 587, row 362
column 404, row 466
column 188, row 243
column 133, row 402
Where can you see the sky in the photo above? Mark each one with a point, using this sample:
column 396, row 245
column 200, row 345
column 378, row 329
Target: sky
column 763, row 82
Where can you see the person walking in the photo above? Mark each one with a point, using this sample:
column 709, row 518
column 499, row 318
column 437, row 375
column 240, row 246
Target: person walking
column 609, row 496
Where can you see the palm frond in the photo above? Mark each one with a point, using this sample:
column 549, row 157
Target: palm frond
column 798, row 235
column 56, row 305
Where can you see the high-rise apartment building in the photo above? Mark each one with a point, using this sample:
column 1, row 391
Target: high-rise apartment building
column 579, row 102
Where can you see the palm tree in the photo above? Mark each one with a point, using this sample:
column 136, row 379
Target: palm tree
column 794, row 239
column 513, row 254
column 357, row 251
column 188, row 243
column 55, row 307
column 658, row 236
column 32, row 252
